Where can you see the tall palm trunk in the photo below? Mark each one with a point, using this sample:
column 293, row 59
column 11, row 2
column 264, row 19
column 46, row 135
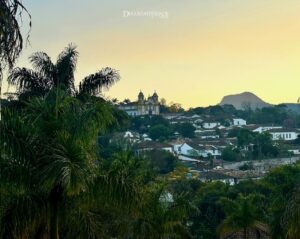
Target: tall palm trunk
column 42, row 232
column 55, row 198
column 54, row 221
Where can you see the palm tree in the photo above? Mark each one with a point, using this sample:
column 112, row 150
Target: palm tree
column 47, row 75
column 50, row 172
column 241, row 215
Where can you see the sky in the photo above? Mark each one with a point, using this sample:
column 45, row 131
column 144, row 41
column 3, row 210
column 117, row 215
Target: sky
column 198, row 52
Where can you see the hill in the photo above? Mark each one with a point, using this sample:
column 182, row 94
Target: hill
column 246, row 99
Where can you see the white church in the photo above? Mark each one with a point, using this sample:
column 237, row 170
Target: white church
column 142, row 106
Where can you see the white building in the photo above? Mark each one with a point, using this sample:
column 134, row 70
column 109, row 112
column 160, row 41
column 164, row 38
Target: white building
column 284, row 134
column 192, row 149
column 206, row 134
column 239, row 122
column 294, row 150
column 131, row 136
column 153, row 145
column 210, row 124
column 183, row 149
column 262, row 129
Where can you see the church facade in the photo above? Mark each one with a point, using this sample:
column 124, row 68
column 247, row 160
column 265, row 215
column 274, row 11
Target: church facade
column 143, row 106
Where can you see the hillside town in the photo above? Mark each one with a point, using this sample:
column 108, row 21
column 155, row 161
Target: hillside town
column 208, row 148
column 204, row 147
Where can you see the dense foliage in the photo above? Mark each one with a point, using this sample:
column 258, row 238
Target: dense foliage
column 220, row 208
column 251, row 145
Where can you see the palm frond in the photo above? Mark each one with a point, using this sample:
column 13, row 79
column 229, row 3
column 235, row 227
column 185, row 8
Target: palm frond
column 103, row 79
column 21, row 215
column 42, row 63
column 11, row 40
column 28, row 80
column 84, row 222
column 16, row 141
column 87, row 120
column 67, row 164
column 65, row 66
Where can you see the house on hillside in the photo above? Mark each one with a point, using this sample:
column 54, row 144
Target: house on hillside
column 206, row 134
column 153, row 145
column 284, row 134
column 196, row 150
column 219, row 143
column 132, row 137
column 170, row 116
column 239, row 122
column 295, row 150
column 240, row 175
column 261, row 129
column 188, row 149
column 216, row 176
column 192, row 119
column 210, row 124
column 210, row 150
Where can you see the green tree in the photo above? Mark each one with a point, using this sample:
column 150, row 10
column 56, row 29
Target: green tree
column 161, row 161
column 50, row 176
column 241, row 214
column 186, row 130
column 175, row 108
column 230, row 154
column 159, row 131
column 264, row 146
column 282, row 190
column 245, row 137
column 209, row 212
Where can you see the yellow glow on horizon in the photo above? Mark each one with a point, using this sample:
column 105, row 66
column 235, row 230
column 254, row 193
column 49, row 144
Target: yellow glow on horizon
column 198, row 55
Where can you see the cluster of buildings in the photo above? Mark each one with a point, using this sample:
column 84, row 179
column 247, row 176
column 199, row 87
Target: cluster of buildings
column 212, row 137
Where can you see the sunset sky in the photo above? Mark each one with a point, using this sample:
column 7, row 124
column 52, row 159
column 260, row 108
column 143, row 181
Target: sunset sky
column 204, row 50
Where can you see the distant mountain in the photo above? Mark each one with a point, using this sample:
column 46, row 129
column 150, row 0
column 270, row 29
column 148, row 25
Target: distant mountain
column 246, row 99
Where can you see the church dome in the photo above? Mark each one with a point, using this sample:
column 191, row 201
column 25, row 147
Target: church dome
column 141, row 94
column 155, row 94
column 141, row 97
